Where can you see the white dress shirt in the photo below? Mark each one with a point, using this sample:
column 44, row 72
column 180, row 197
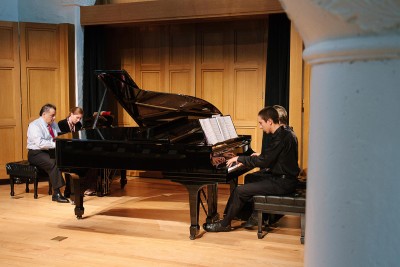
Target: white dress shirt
column 39, row 137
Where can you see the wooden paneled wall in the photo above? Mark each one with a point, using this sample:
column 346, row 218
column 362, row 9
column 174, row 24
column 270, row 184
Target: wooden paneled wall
column 44, row 70
column 34, row 69
column 299, row 99
column 223, row 63
column 10, row 100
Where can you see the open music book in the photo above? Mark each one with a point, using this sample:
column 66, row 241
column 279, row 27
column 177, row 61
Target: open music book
column 218, row 129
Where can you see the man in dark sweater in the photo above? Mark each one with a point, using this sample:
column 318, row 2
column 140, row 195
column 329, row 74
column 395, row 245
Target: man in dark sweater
column 280, row 158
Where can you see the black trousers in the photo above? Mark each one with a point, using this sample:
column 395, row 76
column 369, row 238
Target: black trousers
column 41, row 158
column 262, row 183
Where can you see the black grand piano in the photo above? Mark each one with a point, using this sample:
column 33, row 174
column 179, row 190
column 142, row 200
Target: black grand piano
column 169, row 139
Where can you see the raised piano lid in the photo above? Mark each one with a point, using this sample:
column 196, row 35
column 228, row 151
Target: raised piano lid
column 150, row 108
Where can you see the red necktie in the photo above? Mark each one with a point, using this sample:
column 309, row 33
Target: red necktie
column 50, row 130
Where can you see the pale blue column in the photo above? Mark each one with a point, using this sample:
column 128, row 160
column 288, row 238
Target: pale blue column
column 353, row 210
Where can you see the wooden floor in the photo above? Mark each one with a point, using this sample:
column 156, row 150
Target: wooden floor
column 146, row 224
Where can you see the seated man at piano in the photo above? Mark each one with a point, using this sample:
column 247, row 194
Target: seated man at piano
column 281, row 159
column 252, row 218
column 40, row 141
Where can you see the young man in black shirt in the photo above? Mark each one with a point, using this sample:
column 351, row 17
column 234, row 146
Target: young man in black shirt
column 280, row 158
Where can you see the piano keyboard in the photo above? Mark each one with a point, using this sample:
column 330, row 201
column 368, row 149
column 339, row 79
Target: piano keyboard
column 235, row 167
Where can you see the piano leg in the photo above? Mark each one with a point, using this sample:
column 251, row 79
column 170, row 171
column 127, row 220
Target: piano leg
column 123, row 180
column 77, row 197
column 194, row 204
column 212, row 201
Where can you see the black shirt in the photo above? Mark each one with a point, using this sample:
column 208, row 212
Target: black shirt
column 64, row 126
column 280, row 155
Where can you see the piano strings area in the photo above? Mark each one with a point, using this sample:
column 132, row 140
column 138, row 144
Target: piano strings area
column 144, row 224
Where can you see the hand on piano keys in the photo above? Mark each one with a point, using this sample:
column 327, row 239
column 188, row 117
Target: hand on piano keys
column 234, row 166
column 232, row 161
column 218, row 161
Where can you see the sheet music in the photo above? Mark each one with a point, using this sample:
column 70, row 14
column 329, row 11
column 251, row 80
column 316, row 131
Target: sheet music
column 227, row 127
column 218, row 129
column 208, row 131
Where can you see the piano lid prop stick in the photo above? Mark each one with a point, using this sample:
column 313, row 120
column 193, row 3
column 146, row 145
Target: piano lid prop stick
column 98, row 111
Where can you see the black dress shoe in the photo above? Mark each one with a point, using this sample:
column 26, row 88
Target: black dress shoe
column 274, row 219
column 59, row 198
column 216, row 227
column 252, row 221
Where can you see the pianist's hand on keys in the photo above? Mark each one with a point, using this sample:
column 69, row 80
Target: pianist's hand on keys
column 234, row 166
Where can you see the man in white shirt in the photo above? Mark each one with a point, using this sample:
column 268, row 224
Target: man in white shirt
column 41, row 133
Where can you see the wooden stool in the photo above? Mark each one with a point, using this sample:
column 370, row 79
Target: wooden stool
column 293, row 204
column 24, row 170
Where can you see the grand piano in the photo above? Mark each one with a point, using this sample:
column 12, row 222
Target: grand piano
column 168, row 139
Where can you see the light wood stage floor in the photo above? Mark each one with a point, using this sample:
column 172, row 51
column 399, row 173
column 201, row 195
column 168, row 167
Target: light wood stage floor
column 145, row 224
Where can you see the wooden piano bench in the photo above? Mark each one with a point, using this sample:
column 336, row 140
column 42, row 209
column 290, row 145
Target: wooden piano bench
column 30, row 173
column 292, row 204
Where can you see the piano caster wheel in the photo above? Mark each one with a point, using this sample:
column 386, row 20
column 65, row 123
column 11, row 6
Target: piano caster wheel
column 79, row 212
column 194, row 230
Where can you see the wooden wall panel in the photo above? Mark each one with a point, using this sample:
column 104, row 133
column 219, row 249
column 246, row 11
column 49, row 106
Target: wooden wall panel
column 38, row 44
column 237, row 51
column 212, row 88
column 180, row 82
column 35, row 67
column 212, row 65
column 151, row 58
column 297, row 91
column 249, row 66
column 245, row 79
column 181, row 43
column 151, row 48
column 10, row 100
column 151, row 81
column 248, row 46
column 8, row 153
column 181, row 59
column 41, row 65
column 212, row 46
column 8, row 47
column 41, row 45
column 41, row 85
column 223, row 63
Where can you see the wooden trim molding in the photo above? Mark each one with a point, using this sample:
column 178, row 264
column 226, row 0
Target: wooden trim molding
column 177, row 10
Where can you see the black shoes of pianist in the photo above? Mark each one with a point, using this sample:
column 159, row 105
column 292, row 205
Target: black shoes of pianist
column 270, row 220
column 252, row 221
column 57, row 196
column 216, row 227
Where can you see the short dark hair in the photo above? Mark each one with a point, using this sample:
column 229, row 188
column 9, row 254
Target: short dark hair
column 269, row 113
column 283, row 117
column 46, row 108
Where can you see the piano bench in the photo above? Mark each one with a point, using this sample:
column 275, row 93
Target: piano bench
column 30, row 173
column 292, row 204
